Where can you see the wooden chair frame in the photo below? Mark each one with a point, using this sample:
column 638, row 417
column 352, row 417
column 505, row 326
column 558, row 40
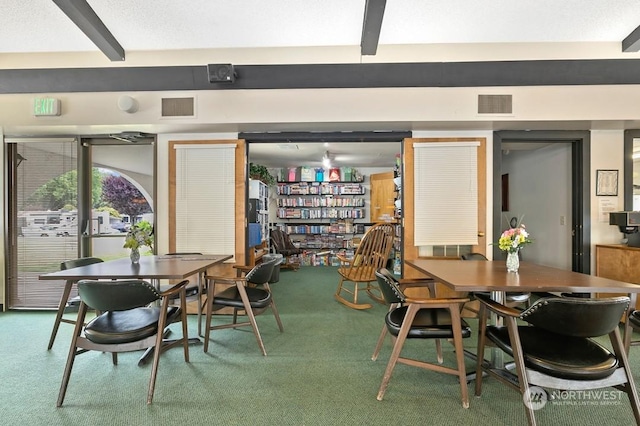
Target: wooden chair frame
column 66, row 293
column 80, row 344
column 240, row 283
column 621, row 379
column 372, row 254
column 414, row 305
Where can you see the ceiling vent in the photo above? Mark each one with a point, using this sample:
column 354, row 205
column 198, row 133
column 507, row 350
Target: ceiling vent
column 495, row 104
column 178, row 107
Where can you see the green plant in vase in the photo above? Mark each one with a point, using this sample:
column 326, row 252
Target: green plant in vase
column 140, row 234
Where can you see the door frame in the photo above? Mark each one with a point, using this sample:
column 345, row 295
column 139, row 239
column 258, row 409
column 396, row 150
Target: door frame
column 580, row 182
column 85, row 184
column 629, row 136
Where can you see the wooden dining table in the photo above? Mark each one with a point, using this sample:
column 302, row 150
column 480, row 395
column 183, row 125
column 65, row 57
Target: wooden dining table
column 149, row 267
column 492, row 276
column 152, row 268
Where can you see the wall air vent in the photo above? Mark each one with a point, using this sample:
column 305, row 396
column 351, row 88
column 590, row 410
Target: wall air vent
column 495, row 104
column 178, row 107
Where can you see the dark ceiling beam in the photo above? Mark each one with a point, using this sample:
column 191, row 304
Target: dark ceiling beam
column 373, row 14
column 578, row 72
column 631, row 43
column 86, row 19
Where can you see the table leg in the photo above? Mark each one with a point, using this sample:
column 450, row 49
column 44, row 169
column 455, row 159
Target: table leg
column 200, row 279
column 167, row 331
column 628, row 330
column 497, row 356
column 63, row 303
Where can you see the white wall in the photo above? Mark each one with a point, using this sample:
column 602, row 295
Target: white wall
column 607, row 153
column 416, row 109
column 540, row 197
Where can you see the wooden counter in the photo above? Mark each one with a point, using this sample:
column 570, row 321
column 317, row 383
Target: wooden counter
column 618, row 262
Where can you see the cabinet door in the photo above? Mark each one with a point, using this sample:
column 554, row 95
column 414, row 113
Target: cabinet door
column 382, row 197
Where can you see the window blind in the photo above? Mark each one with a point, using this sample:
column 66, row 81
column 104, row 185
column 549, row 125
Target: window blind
column 205, row 198
column 446, row 193
column 45, row 186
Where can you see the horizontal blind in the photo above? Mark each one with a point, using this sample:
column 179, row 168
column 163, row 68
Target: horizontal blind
column 45, row 177
column 446, row 193
column 205, row 198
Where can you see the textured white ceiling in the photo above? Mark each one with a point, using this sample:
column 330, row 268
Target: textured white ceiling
column 40, row 26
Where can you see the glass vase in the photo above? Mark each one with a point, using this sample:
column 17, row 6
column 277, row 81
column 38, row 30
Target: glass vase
column 134, row 255
column 513, row 262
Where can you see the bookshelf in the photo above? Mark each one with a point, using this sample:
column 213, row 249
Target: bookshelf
column 320, row 218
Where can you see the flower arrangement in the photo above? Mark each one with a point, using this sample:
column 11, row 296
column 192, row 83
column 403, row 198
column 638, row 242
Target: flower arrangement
column 140, row 234
column 514, row 239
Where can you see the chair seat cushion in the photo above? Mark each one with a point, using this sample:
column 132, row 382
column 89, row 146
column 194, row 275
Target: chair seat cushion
column 428, row 323
column 634, row 319
column 565, row 357
column 115, row 327
column 258, row 298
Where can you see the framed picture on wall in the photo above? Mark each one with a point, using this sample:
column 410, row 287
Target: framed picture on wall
column 607, row 182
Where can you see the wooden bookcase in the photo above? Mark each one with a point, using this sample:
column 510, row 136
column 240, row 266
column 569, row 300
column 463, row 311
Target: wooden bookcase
column 618, row 262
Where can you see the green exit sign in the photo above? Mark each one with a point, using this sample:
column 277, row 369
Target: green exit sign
column 46, row 107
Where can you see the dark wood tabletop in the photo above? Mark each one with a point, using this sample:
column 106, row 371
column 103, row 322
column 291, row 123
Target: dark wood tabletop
column 466, row 275
column 150, row 267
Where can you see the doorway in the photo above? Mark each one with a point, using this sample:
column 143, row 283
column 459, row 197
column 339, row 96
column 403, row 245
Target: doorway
column 116, row 191
column 580, row 200
column 323, row 227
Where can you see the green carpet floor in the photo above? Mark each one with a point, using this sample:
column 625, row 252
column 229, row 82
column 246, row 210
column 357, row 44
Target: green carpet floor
column 318, row 372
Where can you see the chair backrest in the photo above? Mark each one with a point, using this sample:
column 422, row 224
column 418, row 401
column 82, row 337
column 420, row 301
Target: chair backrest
column 261, row 273
column 281, row 242
column 473, row 256
column 116, row 295
column 389, row 287
column 372, row 252
column 76, row 263
column 573, row 316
